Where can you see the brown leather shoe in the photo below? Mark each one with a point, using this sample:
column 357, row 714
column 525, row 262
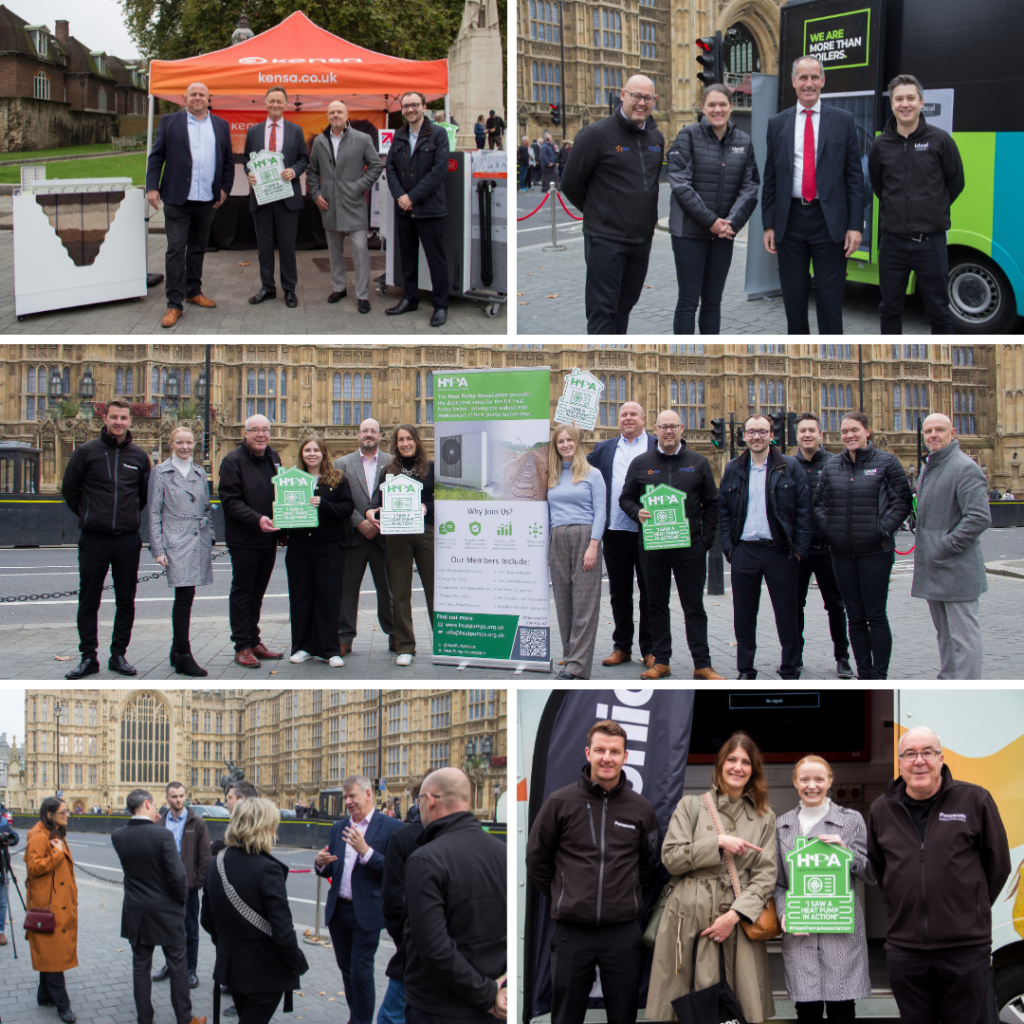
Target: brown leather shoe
column 262, row 651
column 649, row 660
column 171, row 317
column 198, row 1020
column 202, row 300
column 3, row 939
column 343, row 649
column 706, row 673
column 656, row 671
column 246, row 659
column 617, row 657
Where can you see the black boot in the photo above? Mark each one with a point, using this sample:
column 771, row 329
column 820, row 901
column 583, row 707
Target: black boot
column 184, row 663
column 173, row 657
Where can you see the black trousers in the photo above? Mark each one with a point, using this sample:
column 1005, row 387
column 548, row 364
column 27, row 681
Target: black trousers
column 928, row 258
column 616, row 272
column 276, row 227
column 622, row 560
column 415, row 1016
column 702, row 266
column 255, row 1007
column 690, row 568
column 806, row 238
column 188, row 231
column 819, row 564
column 142, row 983
column 316, row 574
column 426, row 231
column 251, row 569
column 181, row 613
column 840, row 1012
column 864, row 583
column 51, row 986
column 356, row 559
column 939, row 986
column 616, row 950
column 752, row 563
column 98, row 552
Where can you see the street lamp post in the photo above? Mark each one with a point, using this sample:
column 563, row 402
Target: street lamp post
column 561, row 45
column 58, row 710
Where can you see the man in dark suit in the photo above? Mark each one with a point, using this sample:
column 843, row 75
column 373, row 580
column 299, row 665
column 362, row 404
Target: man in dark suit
column 191, row 167
column 621, row 535
column 363, row 468
column 153, row 911
column 278, row 222
column 812, row 200
column 353, row 860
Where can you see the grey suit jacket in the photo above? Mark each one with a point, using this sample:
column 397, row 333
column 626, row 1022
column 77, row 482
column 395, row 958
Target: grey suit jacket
column 351, row 465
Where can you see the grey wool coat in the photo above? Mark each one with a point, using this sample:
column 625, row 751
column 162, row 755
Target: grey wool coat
column 700, row 881
column 952, row 514
column 343, row 182
column 829, row 967
column 181, row 524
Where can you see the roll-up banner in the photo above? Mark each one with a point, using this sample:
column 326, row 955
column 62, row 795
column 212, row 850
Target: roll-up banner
column 657, row 724
column 491, row 602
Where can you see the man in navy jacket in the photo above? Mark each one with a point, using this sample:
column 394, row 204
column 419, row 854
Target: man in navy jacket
column 812, row 205
column 191, row 167
column 353, row 860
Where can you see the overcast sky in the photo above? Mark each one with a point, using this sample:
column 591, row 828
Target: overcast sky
column 12, row 711
column 98, row 24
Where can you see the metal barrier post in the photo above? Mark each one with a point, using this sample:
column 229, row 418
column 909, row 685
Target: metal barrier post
column 554, row 246
column 315, row 939
column 716, row 567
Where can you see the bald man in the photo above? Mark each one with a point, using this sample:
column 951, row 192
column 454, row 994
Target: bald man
column 454, row 941
column 949, row 567
column 612, row 175
column 191, row 167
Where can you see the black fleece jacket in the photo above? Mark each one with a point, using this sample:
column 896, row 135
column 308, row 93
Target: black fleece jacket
column 106, row 484
column 246, row 493
column 612, row 175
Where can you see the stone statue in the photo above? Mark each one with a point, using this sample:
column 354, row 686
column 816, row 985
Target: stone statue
column 231, row 776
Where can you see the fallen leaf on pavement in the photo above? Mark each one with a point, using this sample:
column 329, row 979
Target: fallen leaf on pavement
column 245, row 264
column 120, row 951
column 520, row 293
column 555, row 296
column 523, row 303
column 323, row 993
column 62, row 657
column 274, row 671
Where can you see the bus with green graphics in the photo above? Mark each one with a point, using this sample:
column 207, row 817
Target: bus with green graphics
column 966, row 53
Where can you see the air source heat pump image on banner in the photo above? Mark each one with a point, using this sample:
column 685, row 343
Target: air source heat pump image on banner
column 463, row 458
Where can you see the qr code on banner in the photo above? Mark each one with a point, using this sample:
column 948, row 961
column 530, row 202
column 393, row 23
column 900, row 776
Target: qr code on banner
column 533, row 643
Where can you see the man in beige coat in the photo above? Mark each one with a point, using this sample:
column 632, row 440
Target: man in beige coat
column 343, row 165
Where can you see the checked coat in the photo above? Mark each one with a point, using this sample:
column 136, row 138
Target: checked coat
column 181, row 524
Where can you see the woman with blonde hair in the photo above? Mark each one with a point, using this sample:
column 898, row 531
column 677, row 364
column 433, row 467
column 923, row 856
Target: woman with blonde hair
column 576, row 514
column 827, row 970
column 729, row 830
column 181, row 538
column 315, row 559
column 51, row 887
column 245, row 909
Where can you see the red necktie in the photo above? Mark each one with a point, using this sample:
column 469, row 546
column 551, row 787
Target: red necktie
column 273, row 149
column 807, row 186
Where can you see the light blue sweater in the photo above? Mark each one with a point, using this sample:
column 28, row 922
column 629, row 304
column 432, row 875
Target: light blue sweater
column 570, row 503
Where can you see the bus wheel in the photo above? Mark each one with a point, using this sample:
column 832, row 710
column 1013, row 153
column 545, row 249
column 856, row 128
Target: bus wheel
column 1010, row 992
column 981, row 300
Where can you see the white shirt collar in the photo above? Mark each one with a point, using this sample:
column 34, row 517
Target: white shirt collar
column 816, row 108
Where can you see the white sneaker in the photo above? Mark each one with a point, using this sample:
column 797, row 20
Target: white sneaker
column 404, row 660
column 299, row 657
column 337, row 661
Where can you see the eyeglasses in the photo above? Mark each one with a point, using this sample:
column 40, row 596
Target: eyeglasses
column 756, row 433
column 258, row 430
column 910, row 756
column 640, row 97
column 668, row 426
column 411, row 106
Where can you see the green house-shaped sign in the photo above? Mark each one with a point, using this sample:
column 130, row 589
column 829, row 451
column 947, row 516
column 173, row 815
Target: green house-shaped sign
column 668, row 526
column 402, row 508
column 581, row 397
column 292, row 490
column 820, row 897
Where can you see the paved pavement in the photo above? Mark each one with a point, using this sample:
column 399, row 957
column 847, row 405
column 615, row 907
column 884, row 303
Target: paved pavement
column 229, row 278
column 100, row 987
column 34, row 634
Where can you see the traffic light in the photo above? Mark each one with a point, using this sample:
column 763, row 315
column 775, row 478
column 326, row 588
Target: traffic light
column 718, row 432
column 556, row 113
column 779, row 429
column 710, row 58
column 791, row 423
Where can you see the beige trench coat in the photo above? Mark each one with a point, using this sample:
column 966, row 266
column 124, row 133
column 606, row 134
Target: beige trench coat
column 701, row 888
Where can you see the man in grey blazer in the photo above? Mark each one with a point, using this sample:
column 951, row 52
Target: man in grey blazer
column 364, row 468
column 153, row 912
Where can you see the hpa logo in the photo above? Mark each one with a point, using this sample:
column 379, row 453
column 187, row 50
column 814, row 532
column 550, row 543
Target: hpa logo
column 451, row 382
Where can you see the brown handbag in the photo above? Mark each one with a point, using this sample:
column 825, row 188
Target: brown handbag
column 39, row 920
column 767, row 924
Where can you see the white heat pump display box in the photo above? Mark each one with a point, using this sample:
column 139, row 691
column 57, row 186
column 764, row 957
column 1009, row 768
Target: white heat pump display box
column 78, row 241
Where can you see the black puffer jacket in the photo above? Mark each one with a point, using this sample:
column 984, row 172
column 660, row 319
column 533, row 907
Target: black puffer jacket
column 860, row 504
column 612, row 175
column 419, row 174
column 813, row 468
column 711, row 178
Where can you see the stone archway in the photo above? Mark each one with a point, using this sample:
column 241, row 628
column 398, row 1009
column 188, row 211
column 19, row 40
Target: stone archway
column 761, row 18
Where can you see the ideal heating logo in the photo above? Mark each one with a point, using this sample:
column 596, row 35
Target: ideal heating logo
column 630, row 714
column 451, row 382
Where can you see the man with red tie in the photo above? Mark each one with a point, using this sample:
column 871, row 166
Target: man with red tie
column 277, row 223
column 812, row 200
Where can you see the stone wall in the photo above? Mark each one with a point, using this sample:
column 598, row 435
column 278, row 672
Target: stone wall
column 27, row 125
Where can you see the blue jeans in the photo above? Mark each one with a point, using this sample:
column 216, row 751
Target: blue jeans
column 3, row 906
column 702, row 265
column 392, row 1009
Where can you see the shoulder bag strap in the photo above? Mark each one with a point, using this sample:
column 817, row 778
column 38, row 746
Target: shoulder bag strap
column 237, row 902
column 726, row 856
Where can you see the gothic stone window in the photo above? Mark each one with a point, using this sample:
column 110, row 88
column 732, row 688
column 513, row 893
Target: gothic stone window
column 145, row 740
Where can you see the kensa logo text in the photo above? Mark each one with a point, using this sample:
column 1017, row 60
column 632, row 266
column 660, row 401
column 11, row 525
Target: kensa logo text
column 300, row 60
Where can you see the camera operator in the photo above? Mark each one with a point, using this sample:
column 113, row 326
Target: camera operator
column 8, row 838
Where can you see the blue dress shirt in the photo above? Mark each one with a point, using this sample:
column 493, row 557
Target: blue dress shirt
column 756, row 526
column 177, row 825
column 203, row 143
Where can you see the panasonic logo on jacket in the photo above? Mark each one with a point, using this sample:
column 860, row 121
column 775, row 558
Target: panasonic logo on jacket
column 943, row 816
column 622, row 824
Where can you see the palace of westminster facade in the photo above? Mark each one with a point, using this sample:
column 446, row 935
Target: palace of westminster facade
column 330, row 388
column 292, row 744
